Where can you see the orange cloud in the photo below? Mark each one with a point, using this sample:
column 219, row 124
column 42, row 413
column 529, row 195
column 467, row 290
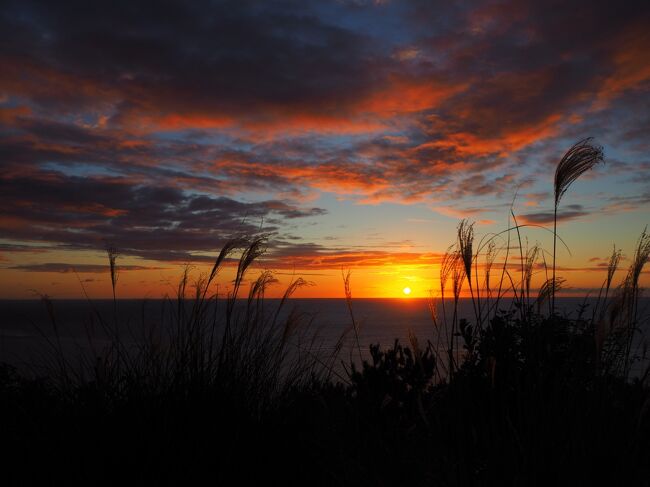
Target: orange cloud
column 177, row 121
column 631, row 60
column 403, row 95
column 336, row 260
column 471, row 144
column 8, row 115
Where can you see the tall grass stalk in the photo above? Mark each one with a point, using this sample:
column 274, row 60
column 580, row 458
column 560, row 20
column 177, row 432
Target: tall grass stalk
column 348, row 302
column 580, row 158
column 244, row 350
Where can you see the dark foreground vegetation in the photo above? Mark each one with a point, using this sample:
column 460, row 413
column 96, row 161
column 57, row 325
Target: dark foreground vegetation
column 518, row 395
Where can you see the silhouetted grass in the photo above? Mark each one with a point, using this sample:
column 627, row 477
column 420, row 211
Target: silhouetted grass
column 510, row 396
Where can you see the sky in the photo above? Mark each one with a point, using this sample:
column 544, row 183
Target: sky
column 354, row 134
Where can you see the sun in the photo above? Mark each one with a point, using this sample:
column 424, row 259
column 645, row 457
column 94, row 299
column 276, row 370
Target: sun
column 406, row 291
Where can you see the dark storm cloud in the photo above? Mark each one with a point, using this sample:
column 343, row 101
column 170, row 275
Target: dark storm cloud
column 571, row 212
column 260, row 59
column 21, row 248
column 161, row 222
column 184, row 56
column 64, row 268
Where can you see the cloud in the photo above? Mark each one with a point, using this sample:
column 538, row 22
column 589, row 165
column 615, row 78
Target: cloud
column 481, row 86
column 32, row 249
column 167, row 130
column 64, row 268
column 570, row 212
column 164, row 223
column 314, row 256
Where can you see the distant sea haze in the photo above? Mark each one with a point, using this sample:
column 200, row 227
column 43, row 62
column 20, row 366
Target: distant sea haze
column 26, row 327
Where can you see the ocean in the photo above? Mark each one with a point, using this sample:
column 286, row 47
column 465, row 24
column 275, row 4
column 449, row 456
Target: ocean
column 27, row 332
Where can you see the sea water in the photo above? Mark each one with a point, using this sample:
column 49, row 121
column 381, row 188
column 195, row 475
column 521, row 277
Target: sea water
column 28, row 332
